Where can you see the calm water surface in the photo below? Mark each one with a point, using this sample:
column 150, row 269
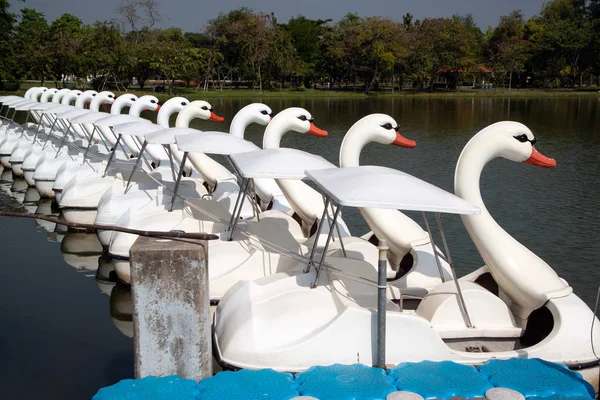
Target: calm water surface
column 65, row 327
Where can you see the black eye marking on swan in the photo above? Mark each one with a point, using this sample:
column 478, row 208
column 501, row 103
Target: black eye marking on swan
column 183, row 103
column 264, row 112
column 303, row 118
column 523, row 138
column 133, row 99
column 204, row 108
column 152, row 101
column 387, row 126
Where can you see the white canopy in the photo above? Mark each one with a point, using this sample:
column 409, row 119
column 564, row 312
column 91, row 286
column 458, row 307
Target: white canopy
column 73, row 113
column 381, row 187
column 280, row 163
column 44, row 106
column 57, row 109
column 118, row 119
column 7, row 98
column 136, row 128
column 23, row 106
column 213, row 142
column 89, row 118
column 17, row 101
column 167, row 136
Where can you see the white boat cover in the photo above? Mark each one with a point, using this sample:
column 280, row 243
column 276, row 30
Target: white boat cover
column 382, row 187
column 279, row 163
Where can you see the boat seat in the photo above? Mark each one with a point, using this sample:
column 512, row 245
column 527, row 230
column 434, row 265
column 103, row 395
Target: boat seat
column 352, row 292
column 490, row 316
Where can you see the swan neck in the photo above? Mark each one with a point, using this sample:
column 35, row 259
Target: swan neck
column 351, row 148
column 274, row 132
column 137, row 108
column 163, row 116
column 184, row 119
column 239, row 124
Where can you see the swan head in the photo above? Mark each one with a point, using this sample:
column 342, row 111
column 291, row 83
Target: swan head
column 174, row 105
column 299, row 120
column 148, row 102
column 379, row 128
column 37, row 93
column 48, row 94
column 291, row 119
column 203, row 110
column 105, row 97
column 515, row 141
column 85, row 97
column 257, row 113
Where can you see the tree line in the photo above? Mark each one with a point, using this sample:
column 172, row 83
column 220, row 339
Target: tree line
column 559, row 47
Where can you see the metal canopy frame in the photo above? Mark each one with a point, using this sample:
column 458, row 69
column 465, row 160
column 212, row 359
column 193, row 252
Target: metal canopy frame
column 382, row 266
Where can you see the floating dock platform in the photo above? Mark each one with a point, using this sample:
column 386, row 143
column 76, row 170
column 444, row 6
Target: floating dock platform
column 498, row 379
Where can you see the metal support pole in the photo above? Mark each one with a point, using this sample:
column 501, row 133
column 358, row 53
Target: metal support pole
column 381, row 301
column 136, row 165
column 183, row 160
column 64, row 138
column 112, row 155
column 2, row 117
column 335, row 216
column 87, row 149
column 437, row 260
column 237, row 203
column 171, row 163
column 317, row 234
column 461, row 300
column 339, row 233
column 239, row 211
column 25, row 126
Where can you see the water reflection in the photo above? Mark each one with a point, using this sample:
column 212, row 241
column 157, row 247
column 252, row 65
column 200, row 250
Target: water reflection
column 121, row 309
column 105, row 275
column 81, row 250
column 46, row 207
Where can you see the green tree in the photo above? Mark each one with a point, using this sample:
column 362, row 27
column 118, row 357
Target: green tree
column 442, row 45
column 33, row 52
column 104, row 53
column 307, row 37
column 66, row 37
column 173, row 55
column 506, row 49
column 560, row 36
column 7, row 20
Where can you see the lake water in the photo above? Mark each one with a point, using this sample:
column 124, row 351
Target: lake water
column 64, row 332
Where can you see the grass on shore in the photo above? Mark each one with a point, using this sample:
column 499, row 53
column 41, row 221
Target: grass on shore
column 192, row 94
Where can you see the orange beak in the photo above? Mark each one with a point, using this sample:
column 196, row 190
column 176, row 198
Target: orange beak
column 314, row 130
column 401, row 141
column 215, row 117
column 158, row 107
column 537, row 158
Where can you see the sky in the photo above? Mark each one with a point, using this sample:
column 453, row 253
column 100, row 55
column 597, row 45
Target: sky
column 192, row 15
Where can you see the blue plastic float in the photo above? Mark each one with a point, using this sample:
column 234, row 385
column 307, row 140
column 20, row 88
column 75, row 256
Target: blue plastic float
column 441, row 380
column 535, row 379
column 345, row 382
column 248, row 385
column 165, row 388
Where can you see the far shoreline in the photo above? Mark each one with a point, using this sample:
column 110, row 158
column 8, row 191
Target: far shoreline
column 333, row 94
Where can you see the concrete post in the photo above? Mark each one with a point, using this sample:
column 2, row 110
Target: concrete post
column 171, row 308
